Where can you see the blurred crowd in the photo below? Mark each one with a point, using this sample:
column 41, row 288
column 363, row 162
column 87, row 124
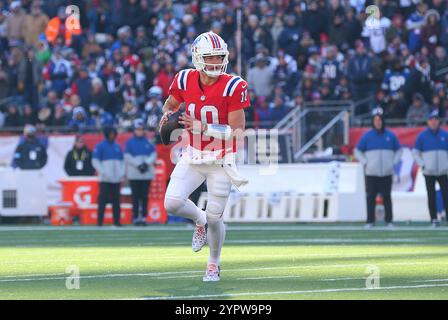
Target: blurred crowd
column 118, row 65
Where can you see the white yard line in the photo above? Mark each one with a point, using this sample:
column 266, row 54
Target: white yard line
column 267, row 227
column 340, row 279
column 431, row 280
column 273, row 277
column 92, row 257
column 280, row 240
column 272, row 293
column 181, row 274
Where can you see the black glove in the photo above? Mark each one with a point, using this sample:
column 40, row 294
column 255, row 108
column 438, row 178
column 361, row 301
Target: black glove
column 143, row 168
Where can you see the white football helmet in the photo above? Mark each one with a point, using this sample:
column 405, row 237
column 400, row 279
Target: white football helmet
column 209, row 44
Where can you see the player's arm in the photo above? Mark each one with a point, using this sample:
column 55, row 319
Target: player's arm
column 171, row 105
column 236, row 120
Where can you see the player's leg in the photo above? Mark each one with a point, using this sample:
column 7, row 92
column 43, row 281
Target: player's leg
column 430, row 182
column 144, row 198
column 218, row 185
column 184, row 180
column 135, row 200
column 103, row 196
column 115, row 193
column 386, row 191
column 371, row 191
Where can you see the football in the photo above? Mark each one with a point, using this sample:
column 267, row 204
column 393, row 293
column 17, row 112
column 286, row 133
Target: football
column 169, row 126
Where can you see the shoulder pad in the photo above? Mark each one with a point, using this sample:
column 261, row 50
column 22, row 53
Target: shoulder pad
column 182, row 77
column 231, row 85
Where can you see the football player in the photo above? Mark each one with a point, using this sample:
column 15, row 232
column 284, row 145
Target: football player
column 214, row 119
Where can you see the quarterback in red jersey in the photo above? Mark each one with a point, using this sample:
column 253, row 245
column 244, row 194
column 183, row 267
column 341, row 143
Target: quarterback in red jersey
column 213, row 117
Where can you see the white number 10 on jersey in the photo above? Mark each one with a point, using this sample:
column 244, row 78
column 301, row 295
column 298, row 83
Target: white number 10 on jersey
column 211, row 109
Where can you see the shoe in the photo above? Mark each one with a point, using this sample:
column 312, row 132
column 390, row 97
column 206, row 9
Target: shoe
column 136, row 222
column 435, row 224
column 118, row 225
column 199, row 238
column 369, row 226
column 212, row 273
column 390, row 225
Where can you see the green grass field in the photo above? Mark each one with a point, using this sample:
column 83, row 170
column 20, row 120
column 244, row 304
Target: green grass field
column 258, row 262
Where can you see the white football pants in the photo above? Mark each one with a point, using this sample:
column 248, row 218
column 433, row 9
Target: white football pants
column 186, row 178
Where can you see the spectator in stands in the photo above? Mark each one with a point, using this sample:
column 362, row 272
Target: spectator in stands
column 15, row 23
column 29, row 115
column 101, row 97
column 30, row 78
column 45, row 116
column 139, row 156
column 108, row 162
column 290, row 36
column 153, row 108
column 439, row 67
column 260, row 77
column 78, row 161
column 431, row 154
column 60, row 72
column 30, row 154
column 130, row 113
column 417, row 111
column 420, row 79
column 360, row 73
column 431, row 30
column 414, row 24
column 34, row 24
column 59, row 117
column 262, row 113
column 100, row 118
column 279, row 110
column 80, row 121
column 13, row 117
column 339, row 31
column 82, row 85
column 378, row 150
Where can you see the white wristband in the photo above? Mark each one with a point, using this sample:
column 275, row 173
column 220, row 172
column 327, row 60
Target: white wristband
column 219, row 131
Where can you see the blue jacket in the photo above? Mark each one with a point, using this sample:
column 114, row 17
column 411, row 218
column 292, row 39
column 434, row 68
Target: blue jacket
column 379, row 152
column 138, row 151
column 108, row 160
column 431, row 152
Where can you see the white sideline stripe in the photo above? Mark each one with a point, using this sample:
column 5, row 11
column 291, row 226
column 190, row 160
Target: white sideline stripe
column 273, row 277
column 240, row 241
column 241, row 294
column 326, row 240
column 286, row 227
column 178, row 277
column 338, row 279
column 292, row 256
column 32, row 275
column 181, row 274
column 430, row 280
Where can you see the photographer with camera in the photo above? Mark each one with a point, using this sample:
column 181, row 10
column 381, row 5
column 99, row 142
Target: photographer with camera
column 140, row 156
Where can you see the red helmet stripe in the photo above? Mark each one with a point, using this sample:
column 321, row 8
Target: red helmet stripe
column 217, row 41
column 213, row 42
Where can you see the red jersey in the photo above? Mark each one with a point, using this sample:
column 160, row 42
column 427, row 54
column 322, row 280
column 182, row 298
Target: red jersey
column 209, row 104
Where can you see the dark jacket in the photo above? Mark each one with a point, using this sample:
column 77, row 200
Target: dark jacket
column 79, row 162
column 360, row 70
column 30, row 155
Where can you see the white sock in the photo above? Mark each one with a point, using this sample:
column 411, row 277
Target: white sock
column 216, row 234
